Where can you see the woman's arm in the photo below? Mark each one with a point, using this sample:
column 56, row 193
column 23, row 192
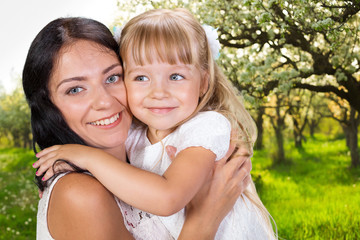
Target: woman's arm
column 160, row 195
column 81, row 208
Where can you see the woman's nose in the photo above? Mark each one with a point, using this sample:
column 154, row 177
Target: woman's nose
column 102, row 99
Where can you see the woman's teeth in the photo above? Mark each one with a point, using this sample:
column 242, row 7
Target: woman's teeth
column 106, row 121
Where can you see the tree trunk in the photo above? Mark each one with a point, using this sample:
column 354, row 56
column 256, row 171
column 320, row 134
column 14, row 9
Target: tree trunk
column 259, row 124
column 350, row 128
column 354, row 150
column 346, row 130
column 353, row 138
column 16, row 140
column 312, row 126
column 297, row 139
column 280, row 158
column 280, row 125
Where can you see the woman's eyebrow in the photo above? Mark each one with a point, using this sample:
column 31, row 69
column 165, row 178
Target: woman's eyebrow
column 108, row 69
column 70, row 80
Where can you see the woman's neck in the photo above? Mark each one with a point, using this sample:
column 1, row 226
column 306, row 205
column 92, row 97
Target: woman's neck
column 118, row 152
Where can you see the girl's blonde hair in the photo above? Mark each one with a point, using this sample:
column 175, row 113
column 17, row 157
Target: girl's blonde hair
column 175, row 36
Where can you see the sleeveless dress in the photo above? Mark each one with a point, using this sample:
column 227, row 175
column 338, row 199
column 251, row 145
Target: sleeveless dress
column 140, row 230
column 42, row 230
column 210, row 130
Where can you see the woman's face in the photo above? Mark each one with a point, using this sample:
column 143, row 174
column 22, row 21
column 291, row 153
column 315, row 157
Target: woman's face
column 87, row 86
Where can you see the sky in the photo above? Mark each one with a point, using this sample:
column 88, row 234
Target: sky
column 21, row 20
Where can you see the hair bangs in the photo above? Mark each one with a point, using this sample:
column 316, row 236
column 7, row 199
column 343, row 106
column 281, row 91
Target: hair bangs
column 163, row 43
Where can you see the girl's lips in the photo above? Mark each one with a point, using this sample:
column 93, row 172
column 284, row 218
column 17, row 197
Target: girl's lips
column 109, row 122
column 161, row 110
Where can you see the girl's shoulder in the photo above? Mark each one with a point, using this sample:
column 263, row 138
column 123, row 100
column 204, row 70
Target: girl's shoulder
column 210, row 130
column 209, row 120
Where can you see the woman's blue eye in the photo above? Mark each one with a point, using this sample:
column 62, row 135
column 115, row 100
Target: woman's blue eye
column 176, row 77
column 141, row 78
column 113, row 79
column 75, row 90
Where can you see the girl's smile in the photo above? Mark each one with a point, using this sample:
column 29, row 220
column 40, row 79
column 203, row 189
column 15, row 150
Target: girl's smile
column 161, row 95
column 161, row 110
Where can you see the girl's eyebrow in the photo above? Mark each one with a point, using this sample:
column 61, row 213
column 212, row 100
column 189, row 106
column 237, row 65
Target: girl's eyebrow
column 106, row 70
column 181, row 66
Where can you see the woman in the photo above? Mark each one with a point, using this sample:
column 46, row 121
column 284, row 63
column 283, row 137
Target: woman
column 76, row 55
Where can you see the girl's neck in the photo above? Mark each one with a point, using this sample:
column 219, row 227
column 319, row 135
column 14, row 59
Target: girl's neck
column 155, row 135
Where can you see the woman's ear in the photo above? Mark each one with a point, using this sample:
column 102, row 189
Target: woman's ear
column 204, row 83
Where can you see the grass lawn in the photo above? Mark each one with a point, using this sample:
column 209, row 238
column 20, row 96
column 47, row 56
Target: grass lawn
column 18, row 195
column 312, row 196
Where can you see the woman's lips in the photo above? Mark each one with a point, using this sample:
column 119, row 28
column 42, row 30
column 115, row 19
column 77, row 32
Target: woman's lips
column 108, row 122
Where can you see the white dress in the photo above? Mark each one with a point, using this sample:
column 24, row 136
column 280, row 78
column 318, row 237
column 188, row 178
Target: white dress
column 148, row 224
column 42, row 230
column 210, row 130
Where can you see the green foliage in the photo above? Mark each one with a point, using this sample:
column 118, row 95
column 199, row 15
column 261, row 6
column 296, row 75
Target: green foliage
column 18, row 194
column 15, row 119
column 314, row 197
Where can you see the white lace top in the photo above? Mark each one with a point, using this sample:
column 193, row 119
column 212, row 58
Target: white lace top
column 42, row 230
column 140, row 230
column 210, row 130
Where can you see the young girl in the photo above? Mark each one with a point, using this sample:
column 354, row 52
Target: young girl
column 181, row 98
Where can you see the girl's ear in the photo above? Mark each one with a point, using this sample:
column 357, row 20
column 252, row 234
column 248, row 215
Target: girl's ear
column 204, row 83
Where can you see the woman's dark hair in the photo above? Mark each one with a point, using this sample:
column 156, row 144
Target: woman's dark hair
column 48, row 125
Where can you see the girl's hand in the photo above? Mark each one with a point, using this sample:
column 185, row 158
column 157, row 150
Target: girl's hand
column 49, row 156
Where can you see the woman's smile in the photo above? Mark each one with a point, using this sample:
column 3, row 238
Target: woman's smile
column 108, row 122
column 92, row 98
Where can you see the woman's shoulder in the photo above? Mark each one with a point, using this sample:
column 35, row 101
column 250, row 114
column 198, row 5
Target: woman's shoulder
column 79, row 201
column 75, row 182
column 76, row 191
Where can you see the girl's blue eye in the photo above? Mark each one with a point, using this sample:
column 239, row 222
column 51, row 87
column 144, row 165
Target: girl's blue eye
column 141, row 78
column 113, row 79
column 176, row 77
column 75, row 90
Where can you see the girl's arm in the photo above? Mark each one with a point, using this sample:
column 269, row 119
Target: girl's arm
column 229, row 180
column 74, row 194
column 160, row 195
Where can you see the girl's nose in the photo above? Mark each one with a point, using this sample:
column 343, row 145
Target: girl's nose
column 159, row 90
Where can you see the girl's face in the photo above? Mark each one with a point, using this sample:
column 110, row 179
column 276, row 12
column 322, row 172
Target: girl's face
column 87, row 86
column 161, row 94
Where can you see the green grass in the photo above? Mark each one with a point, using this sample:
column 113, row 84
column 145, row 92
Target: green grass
column 18, row 195
column 312, row 196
